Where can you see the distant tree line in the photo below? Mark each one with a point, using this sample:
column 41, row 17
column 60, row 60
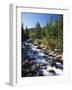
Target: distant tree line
column 50, row 35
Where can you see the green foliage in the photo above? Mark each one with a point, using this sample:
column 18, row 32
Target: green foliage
column 38, row 33
column 50, row 35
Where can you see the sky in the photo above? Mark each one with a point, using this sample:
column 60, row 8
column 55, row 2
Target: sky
column 29, row 20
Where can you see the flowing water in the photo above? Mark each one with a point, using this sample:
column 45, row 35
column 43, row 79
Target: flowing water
column 40, row 61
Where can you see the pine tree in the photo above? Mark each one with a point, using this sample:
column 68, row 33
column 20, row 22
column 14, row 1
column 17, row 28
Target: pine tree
column 38, row 31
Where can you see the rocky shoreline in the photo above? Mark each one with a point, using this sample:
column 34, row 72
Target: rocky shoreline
column 55, row 54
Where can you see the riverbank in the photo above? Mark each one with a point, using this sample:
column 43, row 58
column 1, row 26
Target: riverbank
column 56, row 53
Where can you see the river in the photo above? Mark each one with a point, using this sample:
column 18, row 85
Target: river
column 37, row 63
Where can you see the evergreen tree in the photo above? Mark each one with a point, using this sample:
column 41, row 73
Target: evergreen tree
column 22, row 33
column 38, row 31
column 27, row 32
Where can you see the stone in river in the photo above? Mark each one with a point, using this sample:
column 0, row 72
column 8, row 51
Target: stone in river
column 52, row 72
